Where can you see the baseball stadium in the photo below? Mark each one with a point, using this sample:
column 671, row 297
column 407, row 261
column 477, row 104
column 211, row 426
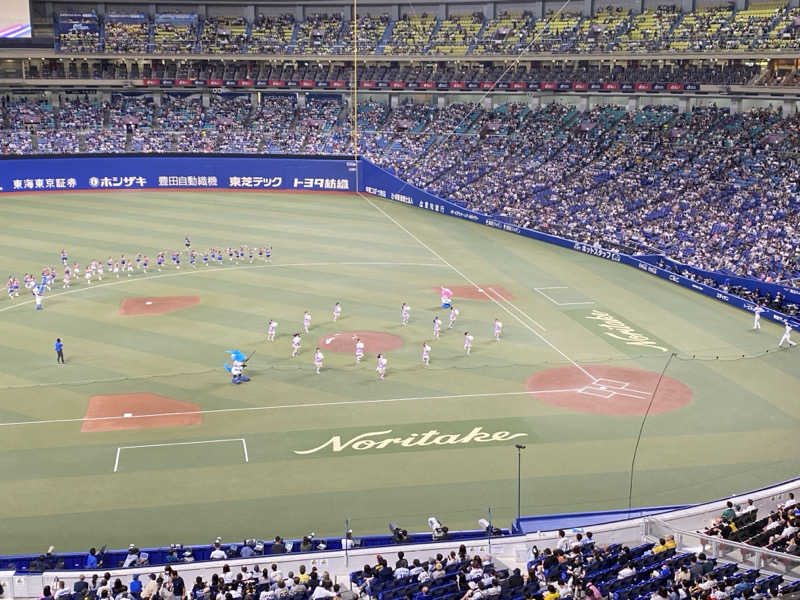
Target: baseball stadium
column 455, row 301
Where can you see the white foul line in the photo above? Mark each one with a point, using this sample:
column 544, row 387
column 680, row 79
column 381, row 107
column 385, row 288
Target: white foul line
column 476, row 286
column 244, row 447
column 148, row 276
column 507, row 301
column 280, row 407
column 556, row 302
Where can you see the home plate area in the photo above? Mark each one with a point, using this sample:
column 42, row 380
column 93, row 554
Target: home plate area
column 608, row 390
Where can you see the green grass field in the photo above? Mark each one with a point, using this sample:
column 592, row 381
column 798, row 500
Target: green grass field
column 739, row 431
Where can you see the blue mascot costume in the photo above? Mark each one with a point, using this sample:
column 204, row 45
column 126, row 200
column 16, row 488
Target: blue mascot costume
column 237, row 366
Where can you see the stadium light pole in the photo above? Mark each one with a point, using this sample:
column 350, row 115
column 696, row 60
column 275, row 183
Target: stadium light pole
column 519, row 448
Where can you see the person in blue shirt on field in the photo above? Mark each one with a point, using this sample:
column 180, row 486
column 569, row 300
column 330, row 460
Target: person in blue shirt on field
column 59, row 346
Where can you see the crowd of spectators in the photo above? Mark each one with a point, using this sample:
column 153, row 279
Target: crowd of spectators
column 79, row 41
column 762, row 25
column 507, row 33
column 126, row 38
column 223, row 35
column 778, row 531
column 319, row 34
column 174, row 38
column 370, row 31
column 713, row 190
column 410, row 34
column 271, row 34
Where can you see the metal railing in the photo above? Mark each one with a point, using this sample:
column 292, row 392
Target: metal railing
column 745, row 555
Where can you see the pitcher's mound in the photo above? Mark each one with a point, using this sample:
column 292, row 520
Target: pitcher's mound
column 374, row 342
column 117, row 412
column 609, row 391
column 482, row 292
column 156, row 305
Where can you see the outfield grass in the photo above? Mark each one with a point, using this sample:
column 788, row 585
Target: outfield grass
column 740, row 431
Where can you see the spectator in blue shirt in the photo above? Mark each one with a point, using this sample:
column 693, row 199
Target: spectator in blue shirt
column 91, row 559
column 135, row 588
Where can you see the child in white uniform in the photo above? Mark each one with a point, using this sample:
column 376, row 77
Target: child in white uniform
column 405, row 314
column 381, row 369
column 453, row 316
column 359, row 350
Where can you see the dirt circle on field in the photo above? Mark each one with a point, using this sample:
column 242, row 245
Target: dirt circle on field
column 470, row 292
column 156, row 305
column 374, row 342
column 608, row 390
column 118, row 412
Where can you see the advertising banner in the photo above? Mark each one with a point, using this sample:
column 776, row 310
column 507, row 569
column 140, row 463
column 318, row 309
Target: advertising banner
column 190, row 172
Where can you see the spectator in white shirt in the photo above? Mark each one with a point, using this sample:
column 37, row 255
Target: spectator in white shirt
column 347, row 541
column 626, row 571
column 61, row 591
column 563, row 542
column 218, row 553
column 322, row 591
column 416, row 568
column 275, row 575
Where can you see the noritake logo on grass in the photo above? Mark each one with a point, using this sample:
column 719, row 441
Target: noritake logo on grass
column 623, row 332
column 376, row 440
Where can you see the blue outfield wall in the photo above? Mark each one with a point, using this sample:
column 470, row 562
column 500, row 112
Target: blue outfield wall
column 379, row 182
column 191, row 172
column 575, row 522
